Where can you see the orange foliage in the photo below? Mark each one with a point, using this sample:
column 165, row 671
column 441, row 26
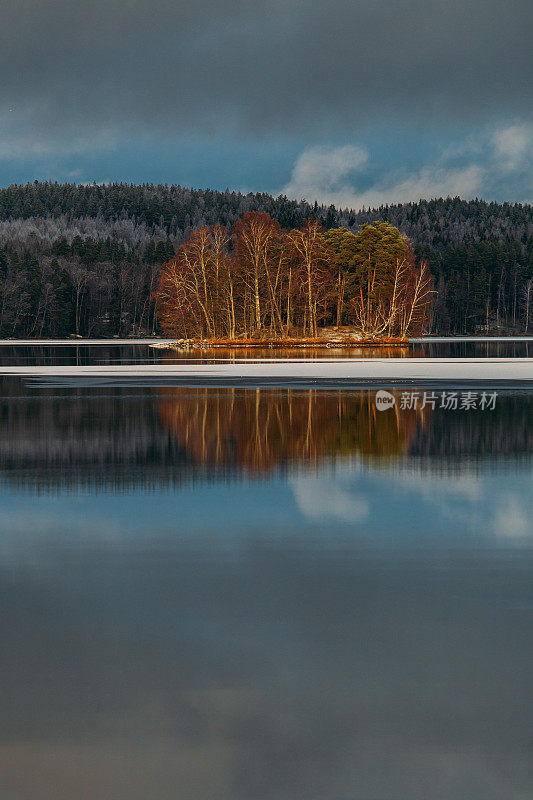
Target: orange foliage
column 259, row 430
column 263, row 282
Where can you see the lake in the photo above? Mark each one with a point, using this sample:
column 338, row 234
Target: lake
column 264, row 593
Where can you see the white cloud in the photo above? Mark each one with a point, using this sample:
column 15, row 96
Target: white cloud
column 485, row 165
column 320, row 499
column 466, row 486
column 428, row 183
column 324, row 174
column 512, row 519
column 469, row 503
column 513, row 145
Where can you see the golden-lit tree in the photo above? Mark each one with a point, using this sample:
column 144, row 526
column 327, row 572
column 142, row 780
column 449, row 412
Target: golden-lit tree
column 257, row 240
column 313, row 259
column 343, row 243
column 263, row 282
column 391, row 294
column 195, row 294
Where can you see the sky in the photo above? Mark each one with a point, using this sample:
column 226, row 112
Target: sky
column 347, row 102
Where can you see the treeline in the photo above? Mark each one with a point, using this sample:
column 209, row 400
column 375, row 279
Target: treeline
column 174, row 211
column 86, row 259
column 485, row 286
column 43, row 295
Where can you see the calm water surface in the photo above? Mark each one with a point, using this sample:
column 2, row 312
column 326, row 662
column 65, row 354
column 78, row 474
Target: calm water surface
column 143, row 354
column 271, row 594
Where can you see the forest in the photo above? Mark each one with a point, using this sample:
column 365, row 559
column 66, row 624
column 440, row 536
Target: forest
column 86, row 260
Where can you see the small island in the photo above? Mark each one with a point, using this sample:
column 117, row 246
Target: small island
column 262, row 286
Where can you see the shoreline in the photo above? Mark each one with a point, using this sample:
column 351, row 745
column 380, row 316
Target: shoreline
column 164, row 343
column 277, row 344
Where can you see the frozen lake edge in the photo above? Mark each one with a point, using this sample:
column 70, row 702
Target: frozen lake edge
column 291, row 372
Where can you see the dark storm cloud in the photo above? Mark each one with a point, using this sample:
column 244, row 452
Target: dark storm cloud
column 163, row 67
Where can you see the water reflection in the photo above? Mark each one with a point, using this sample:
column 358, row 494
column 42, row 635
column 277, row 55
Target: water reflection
column 258, row 430
column 279, row 594
column 119, row 439
column 79, row 355
column 110, row 353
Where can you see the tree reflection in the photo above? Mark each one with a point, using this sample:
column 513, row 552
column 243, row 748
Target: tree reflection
column 119, row 440
column 257, row 430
